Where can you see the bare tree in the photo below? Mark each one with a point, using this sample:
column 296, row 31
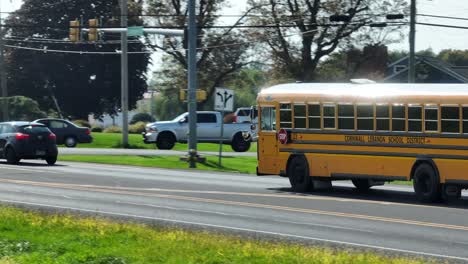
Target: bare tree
column 221, row 51
column 300, row 33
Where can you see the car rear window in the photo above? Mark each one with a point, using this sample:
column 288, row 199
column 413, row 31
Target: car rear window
column 33, row 129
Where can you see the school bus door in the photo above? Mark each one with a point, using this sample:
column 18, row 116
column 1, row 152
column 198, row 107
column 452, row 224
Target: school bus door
column 267, row 141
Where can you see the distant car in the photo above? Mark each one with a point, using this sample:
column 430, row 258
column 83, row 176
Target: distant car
column 243, row 115
column 24, row 140
column 67, row 133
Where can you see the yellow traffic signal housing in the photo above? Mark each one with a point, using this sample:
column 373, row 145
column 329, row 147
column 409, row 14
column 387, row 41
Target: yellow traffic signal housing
column 201, row 95
column 93, row 31
column 74, row 31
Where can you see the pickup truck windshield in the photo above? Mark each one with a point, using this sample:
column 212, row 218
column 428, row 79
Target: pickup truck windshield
column 180, row 117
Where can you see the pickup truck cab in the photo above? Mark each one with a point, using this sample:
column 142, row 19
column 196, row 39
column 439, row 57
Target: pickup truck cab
column 166, row 133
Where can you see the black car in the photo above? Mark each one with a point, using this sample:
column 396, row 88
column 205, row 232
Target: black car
column 24, row 140
column 67, row 133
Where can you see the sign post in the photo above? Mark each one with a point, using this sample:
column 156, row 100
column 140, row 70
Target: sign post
column 224, row 101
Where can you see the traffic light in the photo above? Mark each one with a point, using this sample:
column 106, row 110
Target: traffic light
column 201, row 95
column 340, row 18
column 74, row 31
column 395, row 16
column 93, row 32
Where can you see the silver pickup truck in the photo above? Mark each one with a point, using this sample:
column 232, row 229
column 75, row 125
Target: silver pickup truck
column 166, row 133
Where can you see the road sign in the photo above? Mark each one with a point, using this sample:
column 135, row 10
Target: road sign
column 135, row 31
column 224, row 100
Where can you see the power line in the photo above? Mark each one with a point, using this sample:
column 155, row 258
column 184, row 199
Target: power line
column 446, row 17
column 441, row 25
column 45, row 50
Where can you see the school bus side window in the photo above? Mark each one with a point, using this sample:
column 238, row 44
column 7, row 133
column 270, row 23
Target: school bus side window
column 314, row 116
column 414, row 118
column 285, row 116
column 398, row 118
column 382, row 117
column 450, row 116
column 268, row 118
column 300, row 118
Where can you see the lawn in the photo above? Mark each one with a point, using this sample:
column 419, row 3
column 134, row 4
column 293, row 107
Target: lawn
column 229, row 164
column 32, row 238
column 114, row 140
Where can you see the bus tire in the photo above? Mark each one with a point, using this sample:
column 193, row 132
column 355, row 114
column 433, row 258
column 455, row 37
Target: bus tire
column 362, row 185
column 426, row 184
column 298, row 174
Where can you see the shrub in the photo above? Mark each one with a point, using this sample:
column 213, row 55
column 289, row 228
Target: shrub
column 97, row 129
column 22, row 108
column 81, row 123
column 137, row 128
column 113, row 129
column 142, row 117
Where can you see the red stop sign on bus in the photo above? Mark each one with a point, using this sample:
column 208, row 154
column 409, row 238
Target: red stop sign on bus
column 283, row 136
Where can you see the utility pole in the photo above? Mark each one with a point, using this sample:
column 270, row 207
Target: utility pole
column 192, row 83
column 412, row 41
column 124, row 70
column 3, row 76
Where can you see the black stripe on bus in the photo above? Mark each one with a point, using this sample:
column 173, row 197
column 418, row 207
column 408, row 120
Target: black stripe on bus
column 458, row 182
column 341, row 143
column 346, row 176
column 377, row 133
column 373, row 153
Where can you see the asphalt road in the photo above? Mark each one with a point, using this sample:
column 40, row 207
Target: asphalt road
column 387, row 219
column 145, row 152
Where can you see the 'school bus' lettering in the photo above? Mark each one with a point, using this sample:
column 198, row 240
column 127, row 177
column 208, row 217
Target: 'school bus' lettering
column 367, row 133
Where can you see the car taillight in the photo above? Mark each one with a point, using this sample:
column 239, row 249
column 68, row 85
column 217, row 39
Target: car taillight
column 234, row 120
column 52, row 136
column 88, row 131
column 21, row 136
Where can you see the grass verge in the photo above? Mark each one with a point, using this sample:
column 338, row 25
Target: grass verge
column 114, row 140
column 28, row 237
column 230, row 164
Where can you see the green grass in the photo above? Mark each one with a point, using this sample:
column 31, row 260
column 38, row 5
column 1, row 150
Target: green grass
column 30, row 238
column 114, row 140
column 231, row 164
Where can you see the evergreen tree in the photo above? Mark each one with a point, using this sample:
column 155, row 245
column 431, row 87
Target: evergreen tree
column 80, row 83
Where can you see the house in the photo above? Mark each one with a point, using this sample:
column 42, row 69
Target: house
column 428, row 70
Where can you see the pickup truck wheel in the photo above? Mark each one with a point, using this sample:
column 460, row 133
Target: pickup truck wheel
column 165, row 141
column 239, row 144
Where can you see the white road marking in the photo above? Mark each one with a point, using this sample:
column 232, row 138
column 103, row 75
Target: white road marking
column 244, row 216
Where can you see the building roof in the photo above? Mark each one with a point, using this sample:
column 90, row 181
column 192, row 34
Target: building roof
column 458, row 74
column 367, row 93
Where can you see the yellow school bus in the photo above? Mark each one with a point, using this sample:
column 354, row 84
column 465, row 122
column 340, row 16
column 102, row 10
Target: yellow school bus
column 314, row 133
